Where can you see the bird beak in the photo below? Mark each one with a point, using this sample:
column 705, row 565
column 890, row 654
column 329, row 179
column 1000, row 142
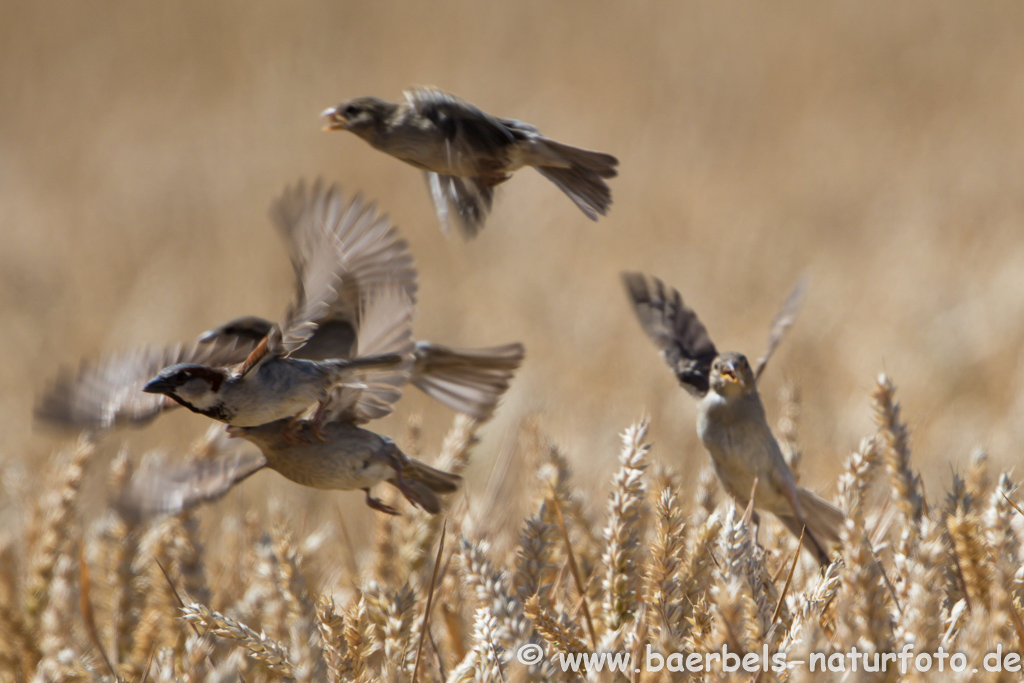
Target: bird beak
column 234, row 432
column 208, row 337
column 335, row 121
column 158, row 386
column 729, row 372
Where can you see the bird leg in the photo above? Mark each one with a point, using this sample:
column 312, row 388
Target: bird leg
column 292, row 431
column 378, row 504
column 317, row 422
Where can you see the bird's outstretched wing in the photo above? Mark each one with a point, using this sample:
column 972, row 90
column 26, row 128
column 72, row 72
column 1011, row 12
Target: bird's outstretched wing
column 783, row 321
column 676, row 331
column 340, row 251
column 108, row 392
column 469, row 134
column 316, row 260
column 169, row 489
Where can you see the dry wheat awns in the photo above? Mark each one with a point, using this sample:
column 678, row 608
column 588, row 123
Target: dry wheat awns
column 653, row 561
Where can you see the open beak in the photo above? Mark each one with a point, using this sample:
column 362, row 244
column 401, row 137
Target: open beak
column 158, row 386
column 729, row 373
column 335, row 121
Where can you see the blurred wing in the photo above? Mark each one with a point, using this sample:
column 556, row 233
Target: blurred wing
column 676, row 331
column 340, row 251
column 314, row 255
column 108, row 392
column 475, row 139
column 161, row 489
column 462, row 201
column 783, row 321
column 248, row 329
column 386, row 328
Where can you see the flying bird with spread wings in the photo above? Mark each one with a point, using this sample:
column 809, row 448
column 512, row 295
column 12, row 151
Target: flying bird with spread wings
column 465, row 153
column 731, row 421
column 344, row 254
column 345, row 345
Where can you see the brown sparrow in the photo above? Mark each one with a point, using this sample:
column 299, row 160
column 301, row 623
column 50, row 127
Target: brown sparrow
column 466, row 152
column 346, row 458
column 731, row 420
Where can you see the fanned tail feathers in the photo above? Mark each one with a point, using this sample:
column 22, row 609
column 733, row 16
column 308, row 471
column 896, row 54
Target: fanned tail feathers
column 468, row 381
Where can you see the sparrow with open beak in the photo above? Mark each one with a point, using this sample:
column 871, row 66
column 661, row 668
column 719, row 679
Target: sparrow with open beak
column 731, row 421
column 466, row 152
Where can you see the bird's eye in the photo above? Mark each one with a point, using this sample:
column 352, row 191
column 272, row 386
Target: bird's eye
column 350, row 111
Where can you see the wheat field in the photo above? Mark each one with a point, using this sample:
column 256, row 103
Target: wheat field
column 874, row 147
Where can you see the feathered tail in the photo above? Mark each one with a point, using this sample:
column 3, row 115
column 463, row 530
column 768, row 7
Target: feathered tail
column 582, row 180
column 824, row 523
column 420, row 483
column 470, row 381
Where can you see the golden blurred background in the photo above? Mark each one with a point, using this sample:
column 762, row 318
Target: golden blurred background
column 876, row 146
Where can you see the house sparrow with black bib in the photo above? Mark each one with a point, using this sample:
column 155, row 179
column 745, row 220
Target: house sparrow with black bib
column 110, row 392
column 466, row 152
column 336, row 454
column 341, row 252
column 270, row 385
column 731, row 421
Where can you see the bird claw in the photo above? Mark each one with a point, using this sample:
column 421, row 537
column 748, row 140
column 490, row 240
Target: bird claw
column 292, row 432
column 317, row 429
column 316, row 425
column 379, row 505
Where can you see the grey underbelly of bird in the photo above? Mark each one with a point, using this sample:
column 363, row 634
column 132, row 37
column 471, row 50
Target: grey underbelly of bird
column 346, row 472
column 738, row 458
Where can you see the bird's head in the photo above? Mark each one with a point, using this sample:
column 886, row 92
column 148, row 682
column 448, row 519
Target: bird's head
column 731, row 375
column 359, row 115
column 194, row 386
